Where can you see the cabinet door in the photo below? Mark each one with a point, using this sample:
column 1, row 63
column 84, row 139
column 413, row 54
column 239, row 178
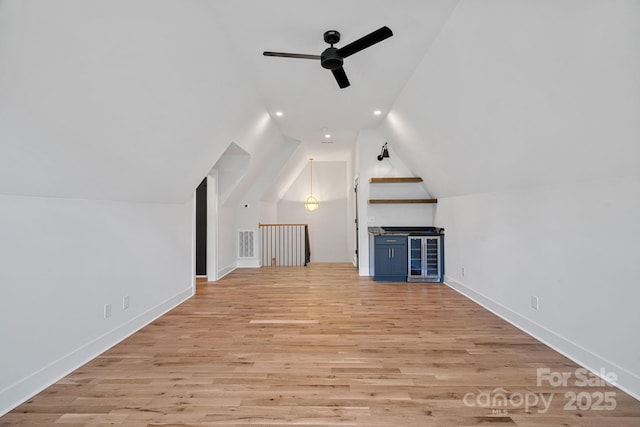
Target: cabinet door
column 390, row 258
column 398, row 260
column 383, row 259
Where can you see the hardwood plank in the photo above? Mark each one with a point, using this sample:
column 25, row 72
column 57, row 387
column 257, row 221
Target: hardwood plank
column 401, row 201
column 320, row 346
column 395, row 180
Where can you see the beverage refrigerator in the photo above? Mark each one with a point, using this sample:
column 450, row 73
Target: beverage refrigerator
column 426, row 258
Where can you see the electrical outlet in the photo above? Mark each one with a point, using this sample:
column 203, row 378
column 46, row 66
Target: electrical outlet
column 534, row 302
column 125, row 302
column 462, row 270
column 107, row 311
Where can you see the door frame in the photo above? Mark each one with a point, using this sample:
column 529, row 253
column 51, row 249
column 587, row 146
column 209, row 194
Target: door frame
column 357, row 221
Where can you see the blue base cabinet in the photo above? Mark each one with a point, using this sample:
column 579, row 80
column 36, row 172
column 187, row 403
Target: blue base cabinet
column 390, row 258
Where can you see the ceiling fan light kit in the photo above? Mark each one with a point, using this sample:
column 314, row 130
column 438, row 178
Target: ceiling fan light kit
column 333, row 58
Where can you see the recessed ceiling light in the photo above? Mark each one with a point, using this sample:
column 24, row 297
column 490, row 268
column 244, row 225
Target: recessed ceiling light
column 377, row 112
column 327, row 135
column 279, row 113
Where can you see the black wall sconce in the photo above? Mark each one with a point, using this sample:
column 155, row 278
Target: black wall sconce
column 384, row 153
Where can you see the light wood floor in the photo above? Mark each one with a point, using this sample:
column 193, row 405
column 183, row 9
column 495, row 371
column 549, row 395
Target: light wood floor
column 319, row 346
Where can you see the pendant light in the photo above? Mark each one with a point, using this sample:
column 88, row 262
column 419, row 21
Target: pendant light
column 311, row 204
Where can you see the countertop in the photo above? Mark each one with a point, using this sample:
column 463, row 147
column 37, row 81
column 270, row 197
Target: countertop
column 405, row 231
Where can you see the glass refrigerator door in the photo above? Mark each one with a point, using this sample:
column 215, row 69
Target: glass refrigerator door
column 415, row 256
column 432, row 263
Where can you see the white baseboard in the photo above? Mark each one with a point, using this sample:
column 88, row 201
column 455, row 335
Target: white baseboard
column 226, row 270
column 627, row 381
column 34, row 383
column 248, row 263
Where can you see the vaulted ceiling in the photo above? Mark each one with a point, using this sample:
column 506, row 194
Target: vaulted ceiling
column 307, row 94
column 137, row 100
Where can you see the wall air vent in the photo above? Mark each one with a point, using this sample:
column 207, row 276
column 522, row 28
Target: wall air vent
column 246, row 244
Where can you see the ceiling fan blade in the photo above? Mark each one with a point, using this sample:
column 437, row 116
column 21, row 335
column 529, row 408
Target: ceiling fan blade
column 291, row 55
column 341, row 77
column 364, row 42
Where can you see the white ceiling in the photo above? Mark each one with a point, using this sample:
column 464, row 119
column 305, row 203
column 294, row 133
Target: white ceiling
column 306, row 93
column 137, row 100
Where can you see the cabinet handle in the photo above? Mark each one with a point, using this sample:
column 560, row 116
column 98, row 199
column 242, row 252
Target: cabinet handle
column 393, row 252
column 391, row 240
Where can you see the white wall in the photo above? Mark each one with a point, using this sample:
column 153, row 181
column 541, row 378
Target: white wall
column 227, row 239
column 328, row 224
column 136, row 109
column 62, row 260
column 523, row 119
column 516, row 94
column 267, row 212
column 575, row 247
column 239, row 209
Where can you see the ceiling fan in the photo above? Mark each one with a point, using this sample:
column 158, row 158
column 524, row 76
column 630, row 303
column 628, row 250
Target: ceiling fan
column 332, row 58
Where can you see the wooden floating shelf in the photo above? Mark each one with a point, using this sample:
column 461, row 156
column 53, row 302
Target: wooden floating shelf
column 398, row 179
column 394, row 180
column 398, row 201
